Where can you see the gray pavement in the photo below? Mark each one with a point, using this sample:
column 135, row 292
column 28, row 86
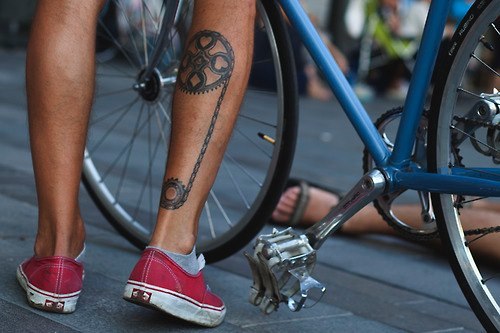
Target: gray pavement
column 375, row 284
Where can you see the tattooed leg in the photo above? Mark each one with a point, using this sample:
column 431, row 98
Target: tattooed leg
column 211, row 82
column 207, row 65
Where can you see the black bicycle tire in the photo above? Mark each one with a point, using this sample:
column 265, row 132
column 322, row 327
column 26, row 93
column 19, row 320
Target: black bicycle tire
column 284, row 161
column 443, row 72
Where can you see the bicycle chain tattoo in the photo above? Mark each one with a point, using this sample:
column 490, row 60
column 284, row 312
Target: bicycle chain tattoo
column 207, row 65
column 489, row 126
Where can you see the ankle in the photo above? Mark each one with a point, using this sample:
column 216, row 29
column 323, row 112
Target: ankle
column 67, row 242
column 188, row 262
column 180, row 245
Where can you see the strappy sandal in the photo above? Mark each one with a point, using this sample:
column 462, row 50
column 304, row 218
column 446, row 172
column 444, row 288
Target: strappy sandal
column 303, row 200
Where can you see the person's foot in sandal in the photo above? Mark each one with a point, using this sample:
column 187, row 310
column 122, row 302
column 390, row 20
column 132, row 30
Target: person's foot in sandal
column 302, row 204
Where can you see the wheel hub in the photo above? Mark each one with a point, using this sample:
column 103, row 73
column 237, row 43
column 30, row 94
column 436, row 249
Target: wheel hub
column 149, row 88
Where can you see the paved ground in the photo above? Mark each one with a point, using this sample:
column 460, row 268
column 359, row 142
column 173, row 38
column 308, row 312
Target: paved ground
column 375, row 284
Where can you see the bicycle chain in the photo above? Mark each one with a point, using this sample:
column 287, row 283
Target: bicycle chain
column 477, row 122
column 489, row 126
column 481, row 231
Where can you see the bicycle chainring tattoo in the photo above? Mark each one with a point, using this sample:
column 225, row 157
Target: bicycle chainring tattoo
column 207, row 66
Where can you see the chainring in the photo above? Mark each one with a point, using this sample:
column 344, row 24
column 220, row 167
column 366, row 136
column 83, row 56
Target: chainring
column 427, row 230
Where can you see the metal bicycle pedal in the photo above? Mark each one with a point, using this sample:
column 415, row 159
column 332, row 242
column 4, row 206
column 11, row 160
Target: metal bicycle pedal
column 281, row 267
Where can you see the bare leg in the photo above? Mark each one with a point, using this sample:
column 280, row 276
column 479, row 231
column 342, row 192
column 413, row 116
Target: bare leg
column 490, row 205
column 320, row 203
column 482, row 214
column 206, row 102
column 60, row 86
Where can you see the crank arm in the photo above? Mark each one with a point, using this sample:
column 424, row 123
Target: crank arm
column 365, row 191
column 427, row 213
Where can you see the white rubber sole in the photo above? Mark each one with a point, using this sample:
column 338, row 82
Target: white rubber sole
column 173, row 303
column 44, row 300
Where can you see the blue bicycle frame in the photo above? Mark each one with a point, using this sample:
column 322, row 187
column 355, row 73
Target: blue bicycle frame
column 396, row 164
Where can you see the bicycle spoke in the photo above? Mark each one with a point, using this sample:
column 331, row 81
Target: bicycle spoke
column 144, row 34
column 150, row 170
column 161, row 126
column 124, row 149
column 164, row 112
column 237, row 129
column 470, row 93
column 243, row 169
column 210, row 220
column 468, row 243
column 112, row 112
column 114, row 92
column 148, row 182
column 152, row 158
column 485, row 64
column 118, row 69
column 221, row 209
column 490, row 278
column 263, row 61
column 473, row 200
column 154, row 20
column 241, row 115
column 129, row 32
column 236, row 185
column 110, row 130
column 473, row 137
column 127, row 157
column 117, row 44
column 120, row 76
column 263, row 91
column 172, row 51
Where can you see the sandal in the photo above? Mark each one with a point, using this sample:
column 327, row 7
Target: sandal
column 303, row 200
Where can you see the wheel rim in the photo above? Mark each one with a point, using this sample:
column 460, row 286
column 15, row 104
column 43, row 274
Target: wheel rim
column 459, row 96
column 129, row 133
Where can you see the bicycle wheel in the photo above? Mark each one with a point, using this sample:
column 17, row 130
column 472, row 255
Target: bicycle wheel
column 463, row 137
column 129, row 130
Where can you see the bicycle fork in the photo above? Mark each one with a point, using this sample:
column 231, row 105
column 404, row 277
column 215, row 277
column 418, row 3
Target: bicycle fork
column 283, row 261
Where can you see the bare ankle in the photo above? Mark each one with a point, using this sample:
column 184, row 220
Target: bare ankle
column 60, row 242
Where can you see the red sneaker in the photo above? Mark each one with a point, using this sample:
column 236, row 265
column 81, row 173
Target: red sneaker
column 158, row 282
column 51, row 283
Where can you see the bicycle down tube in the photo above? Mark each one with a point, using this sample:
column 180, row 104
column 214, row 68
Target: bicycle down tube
column 394, row 163
column 337, row 81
